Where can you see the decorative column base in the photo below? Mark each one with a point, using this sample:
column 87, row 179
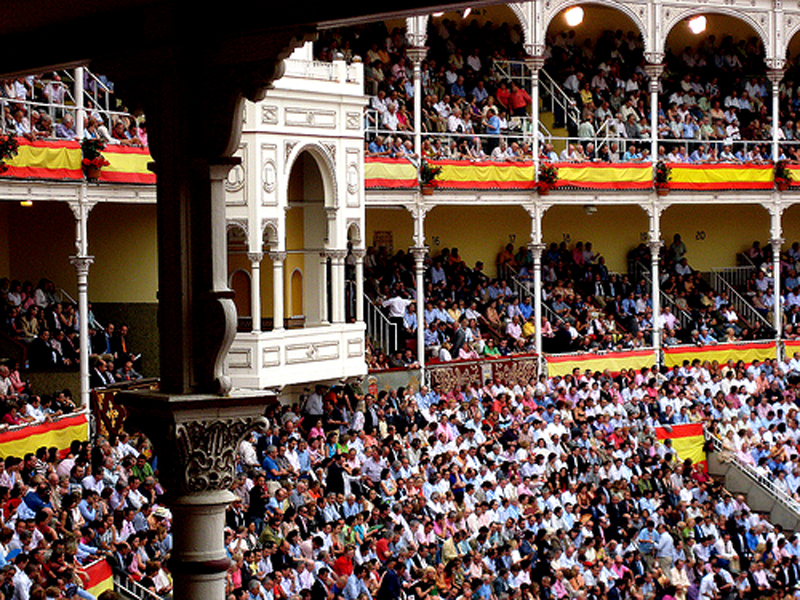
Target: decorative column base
column 195, row 438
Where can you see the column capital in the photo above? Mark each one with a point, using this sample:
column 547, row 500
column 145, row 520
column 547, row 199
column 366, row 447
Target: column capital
column 776, row 242
column 196, row 436
column 336, row 255
column 655, row 247
column 537, row 249
column 81, row 208
column 417, row 54
column 359, row 253
column 419, row 253
column 81, row 263
column 277, row 255
column 255, row 257
column 535, row 62
column 654, row 59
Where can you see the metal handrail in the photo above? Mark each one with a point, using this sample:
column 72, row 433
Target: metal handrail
column 779, row 494
column 739, row 303
column 383, row 332
column 559, row 97
column 523, row 289
column 134, row 588
column 735, row 276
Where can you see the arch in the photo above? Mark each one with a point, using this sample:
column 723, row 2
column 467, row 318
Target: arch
column 240, row 282
column 296, row 308
column 637, row 13
column 326, row 165
column 354, row 233
column 237, row 233
column 269, row 235
column 674, row 16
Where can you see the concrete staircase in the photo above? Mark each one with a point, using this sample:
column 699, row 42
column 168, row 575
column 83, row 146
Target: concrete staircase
column 762, row 494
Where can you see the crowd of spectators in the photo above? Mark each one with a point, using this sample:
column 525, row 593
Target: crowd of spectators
column 587, row 307
column 38, row 107
column 714, row 99
column 548, row 488
column 48, row 327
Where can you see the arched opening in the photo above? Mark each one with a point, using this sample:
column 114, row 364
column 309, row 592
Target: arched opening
column 306, row 239
column 590, row 69
column 714, row 87
column 241, row 284
column 239, row 263
column 296, row 310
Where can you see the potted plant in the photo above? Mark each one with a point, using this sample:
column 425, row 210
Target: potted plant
column 548, row 176
column 427, row 176
column 783, row 176
column 8, row 149
column 661, row 177
column 93, row 159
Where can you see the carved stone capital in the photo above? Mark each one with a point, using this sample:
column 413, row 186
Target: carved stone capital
column 336, row 255
column 81, row 263
column 534, row 63
column 655, row 248
column 654, row 59
column 417, row 54
column 537, row 250
column 359, row 253
column 81, row 208
column 277, row 256
column 196, row 437
column 255, row 257
column 419, row 253
column 776, row 75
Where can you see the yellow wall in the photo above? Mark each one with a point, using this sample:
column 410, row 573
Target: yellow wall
column 396, row 220
column 122, row 238
column 612, row 230
column 714, row 235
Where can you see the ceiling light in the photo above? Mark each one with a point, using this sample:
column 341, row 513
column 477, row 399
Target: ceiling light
column 697, row 24
column 467, row 12
column 574, row 16
column 438, row 14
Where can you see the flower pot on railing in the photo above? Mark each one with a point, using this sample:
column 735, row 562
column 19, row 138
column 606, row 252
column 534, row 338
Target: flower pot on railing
column 92, row 173
column 427, row 190
column 662, row 191
column 782, row 175
column 781, row 185
column 93, row 160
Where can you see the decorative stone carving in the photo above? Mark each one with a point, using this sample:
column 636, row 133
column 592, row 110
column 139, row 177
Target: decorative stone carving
column 269, row 115
column 207, row 452
column 269, row 176
column 234, row 182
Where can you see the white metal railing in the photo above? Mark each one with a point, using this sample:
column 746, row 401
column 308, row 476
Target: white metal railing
column 308, row 69
column 383, row 332
column 559, row 100
column 523, row 289
column 780, row 495
column 737, row 301
column 735, row 277
column 134, row 588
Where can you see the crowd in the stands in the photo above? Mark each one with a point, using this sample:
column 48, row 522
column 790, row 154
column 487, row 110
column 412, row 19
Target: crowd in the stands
column 714, row 99
column 587, row 308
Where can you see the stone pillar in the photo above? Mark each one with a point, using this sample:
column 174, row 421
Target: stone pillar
column 655, row 245
column 359, row 254
column 536, row 251
column 278, row 291
column 776, row 241
column 775, row 76
column 194, row 421
column 654, row 70
column 255, row 289
column 82, row 261
column 337, row 284
column 420, row 252
column 417, row 54
column 535, row 63
column 80, row 112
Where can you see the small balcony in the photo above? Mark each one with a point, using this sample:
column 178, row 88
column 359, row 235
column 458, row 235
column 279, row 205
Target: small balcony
column 275, row 359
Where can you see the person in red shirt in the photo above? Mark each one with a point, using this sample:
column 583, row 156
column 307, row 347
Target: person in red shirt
column 343, row 566
column 502, row 95
column 519, row 101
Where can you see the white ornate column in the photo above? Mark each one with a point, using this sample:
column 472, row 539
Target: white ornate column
column 537, row 250
column 337, row 285
column 82, row 261
column 420, row 252
column 775, row 74
column 776, row 241
column 323, row 288
column 654, row 68
column 278, row 292
column 417, row 54
column 359, row 254
column 255, row 289
column 655, row 244
column 80, row 112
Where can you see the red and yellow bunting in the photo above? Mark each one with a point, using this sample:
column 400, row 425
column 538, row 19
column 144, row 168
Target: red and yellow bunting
column 617, row 176
column 60, row 160
column 721, row 177
column 60, row 434
column 674, row 357
column 687, row 440
column 613, row 361
column 101, row 578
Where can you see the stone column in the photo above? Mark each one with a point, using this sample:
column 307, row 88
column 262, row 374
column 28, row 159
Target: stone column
column 278, row 292
column 536, row 251
column 337, row 284
column 655, row 245
column 417, row 54
column 654, row 68
column 420, row 252
column 255, row 289
column 80, row 112
column 359, row 254
column 776, row 241
column 194, row 421
column 775, row 76
column 323, row 287
column 82, row 261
